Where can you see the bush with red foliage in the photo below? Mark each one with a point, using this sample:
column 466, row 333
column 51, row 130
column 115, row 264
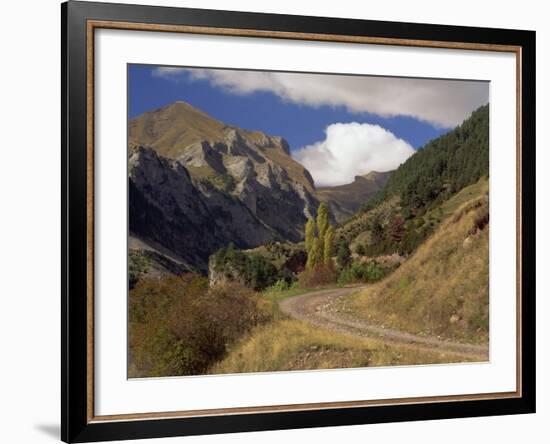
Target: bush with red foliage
column 320, row 275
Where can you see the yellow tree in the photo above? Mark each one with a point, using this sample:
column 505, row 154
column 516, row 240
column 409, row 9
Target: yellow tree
column 328, row 247
column 310, row 234
column 318, row 251
column 322, row 221
column 313, row 254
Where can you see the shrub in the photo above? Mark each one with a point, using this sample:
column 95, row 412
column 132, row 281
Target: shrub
column 280, row 285
column 361, row 272
column 296, row 262
column 321, row 274
column 177, row 326
column 345, row 276
column 137, row 267
column 285, row 275
column 481, row 219
column 252, row 270
column 373, row 272
column 361, row 250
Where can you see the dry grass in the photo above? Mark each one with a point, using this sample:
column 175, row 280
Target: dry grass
column 443, row 289
column 294, row 345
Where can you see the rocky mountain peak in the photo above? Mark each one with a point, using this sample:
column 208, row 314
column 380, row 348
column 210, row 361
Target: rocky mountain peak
column 250, row 166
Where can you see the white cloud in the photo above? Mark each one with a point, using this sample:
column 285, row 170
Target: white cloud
column 352, row 149
column 443, row 103
column 168, row 72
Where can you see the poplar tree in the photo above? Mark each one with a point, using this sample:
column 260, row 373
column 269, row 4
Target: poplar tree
column 310, row 234
column 322, row 221
column 318, row 245
column 319, row 239
column 328, row 245
column 313, row 254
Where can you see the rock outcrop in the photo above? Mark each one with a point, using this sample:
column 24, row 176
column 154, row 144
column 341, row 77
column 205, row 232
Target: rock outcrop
column 191, row 219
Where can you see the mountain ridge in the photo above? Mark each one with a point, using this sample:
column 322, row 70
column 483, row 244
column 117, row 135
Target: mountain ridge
column 345, row 200
column 222, row 172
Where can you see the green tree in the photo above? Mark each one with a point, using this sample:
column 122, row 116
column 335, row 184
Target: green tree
column 376, row 229
column 322, row 221
column 319, row 239
column 314, row 255
column 319, row 247
column 343, row 254
column 309, row 234
column 328, row 249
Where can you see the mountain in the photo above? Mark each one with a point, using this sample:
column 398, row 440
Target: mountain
column 196, row 185
column 344, row 200
column 250, row 166
column 443, row 166
column 408, row 209
column 189, row 219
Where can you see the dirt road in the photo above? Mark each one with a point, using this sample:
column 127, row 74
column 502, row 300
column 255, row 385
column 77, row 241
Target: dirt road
column 321, row 308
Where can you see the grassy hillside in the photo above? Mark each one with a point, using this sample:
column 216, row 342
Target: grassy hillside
column 294, row 345
column 413, row 203
column 443, row 289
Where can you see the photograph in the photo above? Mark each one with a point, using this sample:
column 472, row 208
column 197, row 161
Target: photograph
column 278, row 221
column 292, row 221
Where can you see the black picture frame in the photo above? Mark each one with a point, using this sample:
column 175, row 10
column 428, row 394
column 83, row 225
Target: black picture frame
column 76, row 423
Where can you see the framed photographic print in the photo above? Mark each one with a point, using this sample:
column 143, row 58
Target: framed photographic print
column 276, row 221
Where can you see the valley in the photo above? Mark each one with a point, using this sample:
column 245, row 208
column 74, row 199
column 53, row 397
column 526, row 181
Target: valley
column 232, row 244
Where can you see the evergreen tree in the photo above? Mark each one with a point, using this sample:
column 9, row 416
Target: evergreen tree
column 442, row 167
column 376, row 229
column 343, row 254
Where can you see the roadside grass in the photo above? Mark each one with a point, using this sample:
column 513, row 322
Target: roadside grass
column 443, row 289
column 285, row 345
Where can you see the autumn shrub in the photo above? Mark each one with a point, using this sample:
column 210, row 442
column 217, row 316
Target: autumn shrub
column 320, row 275
column 178, row 326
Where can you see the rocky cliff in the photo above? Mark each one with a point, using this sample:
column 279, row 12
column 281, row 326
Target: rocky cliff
column 250, row 166
column 191, row 219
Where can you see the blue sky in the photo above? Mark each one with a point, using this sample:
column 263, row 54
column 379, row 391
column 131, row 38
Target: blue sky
column 337, row 126
column 299, row 124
